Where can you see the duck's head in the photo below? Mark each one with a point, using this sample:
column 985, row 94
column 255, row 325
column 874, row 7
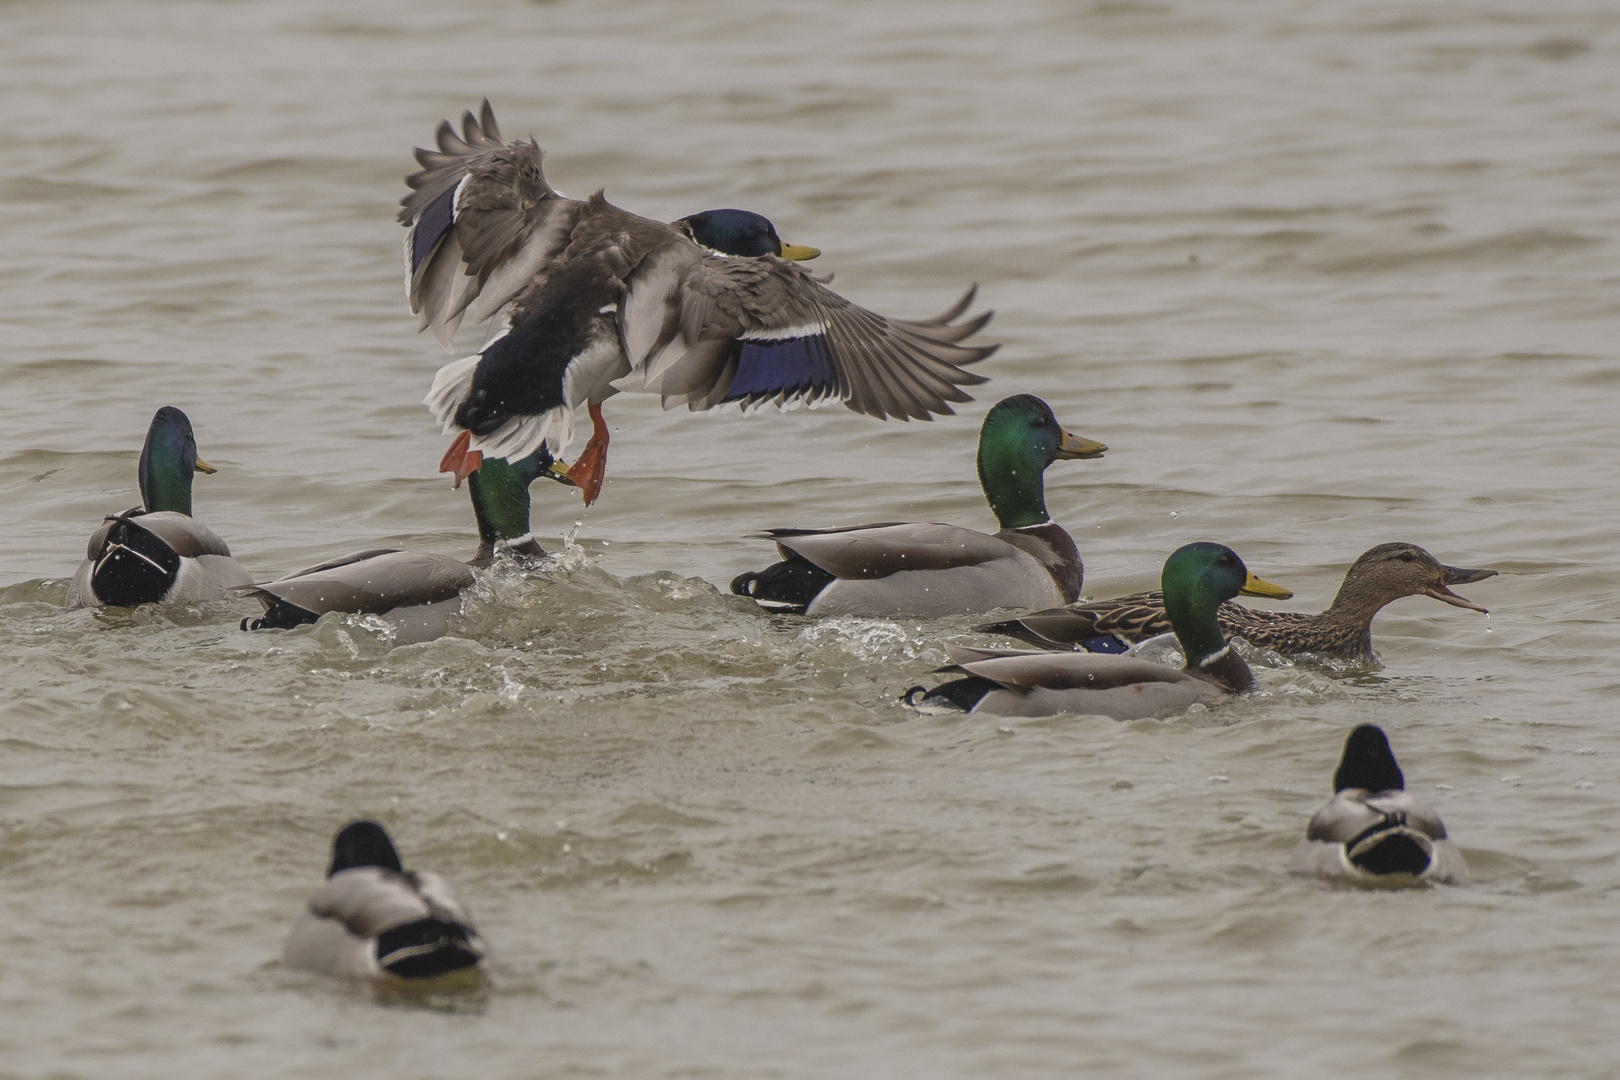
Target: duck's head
column 1197, row 580
column 1368, row 762
column 1019, row 439
column 363, row 843
column 1391, row 571
column 500, row 498
column 168, row 460
column 740, row 232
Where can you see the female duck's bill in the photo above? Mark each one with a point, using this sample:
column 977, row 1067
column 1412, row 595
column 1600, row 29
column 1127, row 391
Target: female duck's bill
column 930, row 570
column 373, row 918
column 589, row 300
column 157, row 551
column 1373, row 832
column 1197, row 578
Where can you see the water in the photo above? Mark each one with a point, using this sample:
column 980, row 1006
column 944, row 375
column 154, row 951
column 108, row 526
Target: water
column 1321, row 275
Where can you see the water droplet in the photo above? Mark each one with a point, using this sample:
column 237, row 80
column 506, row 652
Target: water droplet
column 1174, row 514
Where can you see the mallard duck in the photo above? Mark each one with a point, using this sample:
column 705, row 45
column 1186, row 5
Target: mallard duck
column 374, row 918
column 589, row 299
column 418, row 590
column 1197, row 578
column 1372, row 831
column 933, row 570
column 158, row 551
column 1342, row 632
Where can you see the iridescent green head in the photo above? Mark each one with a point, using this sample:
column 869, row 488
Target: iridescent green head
column 168, row 461
column 500, row 498
column 1019, row 439
column 1197, row 580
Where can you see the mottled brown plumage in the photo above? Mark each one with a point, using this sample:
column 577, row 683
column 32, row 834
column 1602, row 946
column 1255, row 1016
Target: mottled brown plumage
column 1342, row 632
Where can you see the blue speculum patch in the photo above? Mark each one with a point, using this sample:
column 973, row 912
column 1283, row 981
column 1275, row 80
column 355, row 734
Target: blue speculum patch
column 791, row 365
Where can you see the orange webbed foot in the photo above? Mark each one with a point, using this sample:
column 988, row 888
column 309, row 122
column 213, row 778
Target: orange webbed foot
column 460, row 461
column 591, row 465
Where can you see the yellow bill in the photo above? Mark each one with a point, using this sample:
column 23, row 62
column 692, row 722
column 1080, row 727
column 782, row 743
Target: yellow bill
column 1256, row 586
column 1074, row 446
column 799, row 252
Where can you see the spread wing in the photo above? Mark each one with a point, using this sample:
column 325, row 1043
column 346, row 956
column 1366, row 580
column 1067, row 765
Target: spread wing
column 766, row 330
column 483, row 223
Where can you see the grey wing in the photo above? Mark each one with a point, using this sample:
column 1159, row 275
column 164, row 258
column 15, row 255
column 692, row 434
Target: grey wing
column 1418, row 815
column 766, row 330
column 368, row 900
column 876, row 551
column 483, row 224
column 373, row 582
column 1353, row 811
column 186, row 536
column 1060, row 671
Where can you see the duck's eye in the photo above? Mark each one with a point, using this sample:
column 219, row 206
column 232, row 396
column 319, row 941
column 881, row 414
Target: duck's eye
column 1406, row 556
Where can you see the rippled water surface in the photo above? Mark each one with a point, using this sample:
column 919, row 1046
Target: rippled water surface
column 1322, row 275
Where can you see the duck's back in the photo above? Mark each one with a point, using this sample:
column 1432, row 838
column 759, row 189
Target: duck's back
column 369, row 920
column 920, row 570
column 142, row 558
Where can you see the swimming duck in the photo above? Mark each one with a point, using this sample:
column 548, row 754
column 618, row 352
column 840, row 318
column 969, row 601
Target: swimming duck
column 375, row 918
column 1372, row 831
column 1342, row 632
column 932, row 570
column 589, row 299
column 1196, row 579
column 158, row 551
column 419, row 590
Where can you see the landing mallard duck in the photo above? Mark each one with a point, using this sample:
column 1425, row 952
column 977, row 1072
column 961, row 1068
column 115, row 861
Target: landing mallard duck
column 158, row 551
column 1196, row 580
column 419, row 590
column 1373, row 832
column 933, row 570
column 374, row 918
column 1342, row 632
column 589, row 300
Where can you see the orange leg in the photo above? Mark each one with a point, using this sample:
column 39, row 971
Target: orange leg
column 459, row 460
column 589, row 468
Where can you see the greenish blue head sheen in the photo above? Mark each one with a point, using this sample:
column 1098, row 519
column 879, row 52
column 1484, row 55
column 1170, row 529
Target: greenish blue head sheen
column 734, row 232
column 168, row 461
column 1019, row 439
column 500, row 495
column 1197, row 579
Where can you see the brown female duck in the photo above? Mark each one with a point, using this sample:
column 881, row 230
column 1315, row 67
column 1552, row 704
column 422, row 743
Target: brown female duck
column 1342, row 632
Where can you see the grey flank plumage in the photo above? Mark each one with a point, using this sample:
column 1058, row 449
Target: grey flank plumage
column 418, row 591
column 923, row 570
column 1048, row 683
column 490, row 238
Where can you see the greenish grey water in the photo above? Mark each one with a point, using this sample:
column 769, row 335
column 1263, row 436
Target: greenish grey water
column 1321, row 275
